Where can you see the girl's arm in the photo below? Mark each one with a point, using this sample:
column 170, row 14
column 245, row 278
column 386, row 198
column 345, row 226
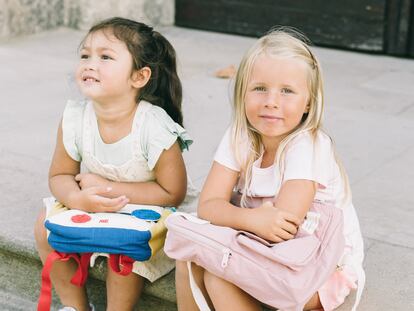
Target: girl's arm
column 268, row 222
column 63, row 186
column 214, row 203
column 168, row 189
column 296, row 196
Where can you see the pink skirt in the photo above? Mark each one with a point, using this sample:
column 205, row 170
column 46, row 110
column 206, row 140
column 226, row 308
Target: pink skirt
column 333, row 293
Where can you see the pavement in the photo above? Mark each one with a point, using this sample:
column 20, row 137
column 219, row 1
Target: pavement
column 369, row 113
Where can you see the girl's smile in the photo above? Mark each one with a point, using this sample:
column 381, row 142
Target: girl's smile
column 270, row 118
column 88, row 78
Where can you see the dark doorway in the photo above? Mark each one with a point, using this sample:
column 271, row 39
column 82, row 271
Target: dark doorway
column 380, row 26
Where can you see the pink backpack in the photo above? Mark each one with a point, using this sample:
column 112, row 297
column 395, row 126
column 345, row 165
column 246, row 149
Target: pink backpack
column 282, row 275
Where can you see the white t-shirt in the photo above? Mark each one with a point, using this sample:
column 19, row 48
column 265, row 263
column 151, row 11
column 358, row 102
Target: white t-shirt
column 304, row 159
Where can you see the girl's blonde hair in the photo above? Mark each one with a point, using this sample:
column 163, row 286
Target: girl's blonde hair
column 283, row 42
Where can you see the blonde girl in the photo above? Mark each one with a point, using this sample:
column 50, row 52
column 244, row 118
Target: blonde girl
column 128, row 135
column 276, row 148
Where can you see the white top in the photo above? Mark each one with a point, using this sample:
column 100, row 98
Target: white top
column 131, row 159
column 304, row 159
column 157, row 132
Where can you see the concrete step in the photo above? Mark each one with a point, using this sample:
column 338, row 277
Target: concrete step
column 14, row 302
column 20, row 270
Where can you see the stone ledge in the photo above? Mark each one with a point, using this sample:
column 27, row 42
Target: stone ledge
column 10, row 301
column 20, row 270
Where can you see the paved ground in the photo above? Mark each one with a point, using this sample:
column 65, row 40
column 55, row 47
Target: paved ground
column 369, row 112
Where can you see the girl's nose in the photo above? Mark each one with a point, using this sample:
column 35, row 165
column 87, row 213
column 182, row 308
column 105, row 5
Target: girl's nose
column 89, row 64
column 272, row 101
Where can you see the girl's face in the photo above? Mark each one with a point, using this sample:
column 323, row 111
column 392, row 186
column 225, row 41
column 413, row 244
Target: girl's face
column 105, row 68
column 277, row 96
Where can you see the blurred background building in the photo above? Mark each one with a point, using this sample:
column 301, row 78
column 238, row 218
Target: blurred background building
column 21, row 17
column 379, row 26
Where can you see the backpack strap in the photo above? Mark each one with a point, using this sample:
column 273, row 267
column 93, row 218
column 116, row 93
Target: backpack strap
column 360, row 274
column 361, row 284
column 79, row 278
column 197, row 294
column 121, row 264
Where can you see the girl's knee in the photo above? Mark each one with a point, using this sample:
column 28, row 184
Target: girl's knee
column 123, row 292
column 132, row 280
column 213, row 284
column 181, row 268
column 210, row 279
column 39, row 228
column 40, row 235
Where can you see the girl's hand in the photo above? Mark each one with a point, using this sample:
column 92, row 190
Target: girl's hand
column 94, row 200
column 88, row 180
column 273, row 224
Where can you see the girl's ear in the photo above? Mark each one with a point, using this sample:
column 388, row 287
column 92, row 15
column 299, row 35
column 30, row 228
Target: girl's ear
column 140, row 77
column 307, row 108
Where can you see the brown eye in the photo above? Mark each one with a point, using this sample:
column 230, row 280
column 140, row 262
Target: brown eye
column 259, row 89
column 286, row 90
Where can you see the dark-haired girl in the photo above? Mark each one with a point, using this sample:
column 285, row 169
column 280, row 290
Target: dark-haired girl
column 128, row 135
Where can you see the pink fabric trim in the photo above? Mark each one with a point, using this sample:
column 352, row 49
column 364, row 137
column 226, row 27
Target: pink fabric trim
column 333, row 293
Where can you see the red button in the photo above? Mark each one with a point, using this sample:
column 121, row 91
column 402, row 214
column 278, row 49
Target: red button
column 81, row 218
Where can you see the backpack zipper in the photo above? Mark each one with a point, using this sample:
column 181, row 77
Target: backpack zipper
column 226, row 257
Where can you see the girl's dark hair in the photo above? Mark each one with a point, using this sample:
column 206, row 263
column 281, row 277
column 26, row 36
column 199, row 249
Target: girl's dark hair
column 150, row 49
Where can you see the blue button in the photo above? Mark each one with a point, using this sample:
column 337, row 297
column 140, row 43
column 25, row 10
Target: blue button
column 146, row 214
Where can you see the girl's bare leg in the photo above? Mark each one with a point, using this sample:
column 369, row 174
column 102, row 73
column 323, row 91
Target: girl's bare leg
column 123, row 292
column 62, row 272
column 314, row 303
column 227, row 296
column 185, row 300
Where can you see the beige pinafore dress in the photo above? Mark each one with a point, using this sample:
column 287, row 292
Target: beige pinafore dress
column 139, row 167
